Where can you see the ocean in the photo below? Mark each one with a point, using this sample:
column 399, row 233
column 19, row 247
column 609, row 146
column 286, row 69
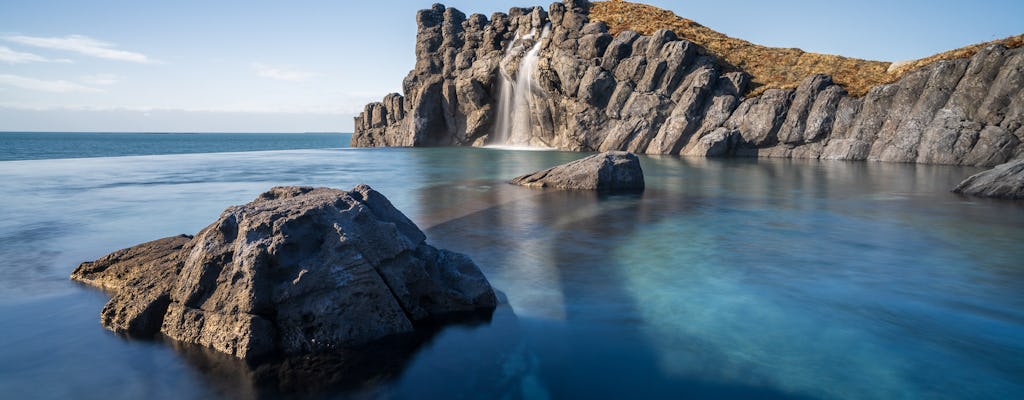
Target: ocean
column 726, row 278
column 52, row 145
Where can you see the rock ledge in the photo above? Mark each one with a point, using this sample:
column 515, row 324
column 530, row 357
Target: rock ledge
column 1005, row 181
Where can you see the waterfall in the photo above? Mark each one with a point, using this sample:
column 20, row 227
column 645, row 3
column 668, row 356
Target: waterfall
column 515, row 99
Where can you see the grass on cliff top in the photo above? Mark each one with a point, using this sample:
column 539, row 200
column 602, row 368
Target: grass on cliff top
column 771, row 67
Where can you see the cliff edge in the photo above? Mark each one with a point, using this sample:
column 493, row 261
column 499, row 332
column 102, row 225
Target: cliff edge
column 576, row 77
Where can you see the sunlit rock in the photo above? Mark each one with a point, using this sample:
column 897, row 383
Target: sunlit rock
column 1005, row 181
column 613, row 171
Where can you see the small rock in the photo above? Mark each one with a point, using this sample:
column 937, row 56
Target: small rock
column 612, row 171
column 1005, row 181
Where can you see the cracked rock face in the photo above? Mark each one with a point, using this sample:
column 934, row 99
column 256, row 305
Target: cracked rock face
column 299, row 270
column 661, row 94
column 612, row 171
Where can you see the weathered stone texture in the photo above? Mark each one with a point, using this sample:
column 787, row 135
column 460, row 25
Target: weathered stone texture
column 659, row 94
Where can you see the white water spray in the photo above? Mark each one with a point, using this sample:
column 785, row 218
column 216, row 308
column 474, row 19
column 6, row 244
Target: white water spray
column 516, row 96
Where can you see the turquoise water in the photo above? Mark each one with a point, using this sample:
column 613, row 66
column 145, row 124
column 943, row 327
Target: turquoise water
column 724, row 279
column 50, row 145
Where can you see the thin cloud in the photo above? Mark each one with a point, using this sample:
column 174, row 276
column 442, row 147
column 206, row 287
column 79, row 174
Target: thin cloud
column 82, row 45
column 99, row 79
column 12, row 56
column 58, row 86
column 283, row 74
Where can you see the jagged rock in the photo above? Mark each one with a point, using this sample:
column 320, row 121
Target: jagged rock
column 594, row 27
column 823, row 114
column 758, row 119
column 299, row 270
column 613, row 171
column 1005, row 181
column 620, row 48
column 596, row 87
column 686, row 116
column 631, row 69
column 792, row 129
column 717, row 143
column 593, row 46
column 589, row 89
column 678, row 57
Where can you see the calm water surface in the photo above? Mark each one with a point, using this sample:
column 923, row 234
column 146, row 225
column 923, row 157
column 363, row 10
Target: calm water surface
column 725, row 279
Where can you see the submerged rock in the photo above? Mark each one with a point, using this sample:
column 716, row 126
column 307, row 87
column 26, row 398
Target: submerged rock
column 1005, row 181
column 299, row 270
column 611, row 171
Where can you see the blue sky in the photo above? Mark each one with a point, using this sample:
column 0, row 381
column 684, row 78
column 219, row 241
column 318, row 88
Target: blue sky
column 273, row 66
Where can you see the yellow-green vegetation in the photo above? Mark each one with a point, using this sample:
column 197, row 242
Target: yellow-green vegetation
column 770, row 67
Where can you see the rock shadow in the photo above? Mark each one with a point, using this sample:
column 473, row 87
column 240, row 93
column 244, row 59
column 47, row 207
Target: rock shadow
column 347, row 371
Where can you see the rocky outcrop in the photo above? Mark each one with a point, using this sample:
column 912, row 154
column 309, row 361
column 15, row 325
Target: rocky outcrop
column 613, row 171
column 297, row 271
column 1005, row 181
column 661, row 94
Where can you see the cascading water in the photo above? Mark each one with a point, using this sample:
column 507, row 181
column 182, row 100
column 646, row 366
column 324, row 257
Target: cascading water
column 515, row 99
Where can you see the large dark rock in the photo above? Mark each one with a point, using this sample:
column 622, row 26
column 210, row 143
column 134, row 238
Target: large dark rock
column 1005, row 181
column 613, row 171
column 299, row 270
column 661, row 94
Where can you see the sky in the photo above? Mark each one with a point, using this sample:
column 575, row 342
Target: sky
column 310, row 66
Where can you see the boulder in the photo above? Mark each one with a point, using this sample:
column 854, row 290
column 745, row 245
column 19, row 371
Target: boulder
column 298, row 271
column 612, row 171
column 1005, row 181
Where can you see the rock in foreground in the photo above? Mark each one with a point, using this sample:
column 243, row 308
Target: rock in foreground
column 299, row 270
column 612, row 171
column 1005, row 181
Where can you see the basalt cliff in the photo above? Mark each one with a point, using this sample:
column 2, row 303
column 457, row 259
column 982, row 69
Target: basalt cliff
column 560, row 78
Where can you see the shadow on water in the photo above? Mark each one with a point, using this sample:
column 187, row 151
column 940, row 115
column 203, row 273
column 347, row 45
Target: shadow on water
column 350, row 371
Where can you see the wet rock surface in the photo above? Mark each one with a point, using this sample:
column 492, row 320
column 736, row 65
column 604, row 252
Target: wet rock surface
column 661, row 94
column 613, row 171
column 1005, row 181
column 298, row 271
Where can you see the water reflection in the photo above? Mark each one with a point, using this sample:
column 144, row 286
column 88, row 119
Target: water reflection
column 569, row 281
column 759, row 274
column 351, row 371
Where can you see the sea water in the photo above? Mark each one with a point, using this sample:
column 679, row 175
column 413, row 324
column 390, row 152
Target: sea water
column 49, row 145
column 734, row 278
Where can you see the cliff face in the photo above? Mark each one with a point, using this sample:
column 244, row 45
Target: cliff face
column 659, row 94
